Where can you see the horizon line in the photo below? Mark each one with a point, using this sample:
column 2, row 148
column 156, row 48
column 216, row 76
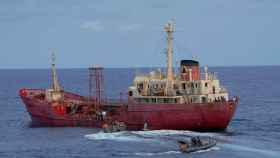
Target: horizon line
column 135, row 67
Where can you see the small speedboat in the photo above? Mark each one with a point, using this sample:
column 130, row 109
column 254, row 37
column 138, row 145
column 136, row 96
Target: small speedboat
column 196, row 144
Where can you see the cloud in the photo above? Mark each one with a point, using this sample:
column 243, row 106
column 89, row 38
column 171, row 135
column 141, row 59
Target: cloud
column 95, row 26
column 130, row 27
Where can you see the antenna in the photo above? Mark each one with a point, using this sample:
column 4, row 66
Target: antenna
column 53, row 58
column 173, row 22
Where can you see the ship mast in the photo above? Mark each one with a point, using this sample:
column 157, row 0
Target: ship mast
column 169, row 29
column 55, row 84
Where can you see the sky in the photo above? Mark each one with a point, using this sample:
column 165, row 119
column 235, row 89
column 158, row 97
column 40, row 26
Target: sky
column 129, row 33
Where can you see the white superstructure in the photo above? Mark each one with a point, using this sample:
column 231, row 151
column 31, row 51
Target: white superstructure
column 189, row 86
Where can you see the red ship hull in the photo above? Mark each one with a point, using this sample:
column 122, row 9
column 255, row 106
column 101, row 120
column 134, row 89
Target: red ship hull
column 203, row 116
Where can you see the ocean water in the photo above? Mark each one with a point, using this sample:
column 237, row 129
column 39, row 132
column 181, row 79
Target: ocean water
column 253, row 132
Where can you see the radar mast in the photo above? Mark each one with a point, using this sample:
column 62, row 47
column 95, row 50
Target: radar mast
column 55, row 83
column 169, row 29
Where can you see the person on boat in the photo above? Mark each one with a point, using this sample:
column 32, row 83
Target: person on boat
column 183, row 146
column 194, row 141
column 198, row 141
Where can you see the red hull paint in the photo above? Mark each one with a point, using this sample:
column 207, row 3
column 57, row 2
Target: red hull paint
column 207, row 116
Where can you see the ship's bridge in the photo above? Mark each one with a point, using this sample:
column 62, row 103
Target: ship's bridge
column 152, row 88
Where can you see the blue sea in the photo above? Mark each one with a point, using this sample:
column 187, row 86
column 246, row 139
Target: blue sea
column 254, row 131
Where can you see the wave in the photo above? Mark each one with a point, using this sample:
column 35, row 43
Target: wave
column 148, row 153
column 271, row 153
column 207, row 150
column 172, row 152
column 271, row 100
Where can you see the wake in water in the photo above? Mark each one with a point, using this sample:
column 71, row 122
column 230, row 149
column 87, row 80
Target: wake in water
column 172, row 152
column 148, row 153
column 118, row 136
column 151, row 135
column 169, row 137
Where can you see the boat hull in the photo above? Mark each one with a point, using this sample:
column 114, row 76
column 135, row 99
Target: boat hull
column 200, row 117
column 207, row 116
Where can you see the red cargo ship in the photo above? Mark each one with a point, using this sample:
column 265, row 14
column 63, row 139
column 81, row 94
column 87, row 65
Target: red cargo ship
column 188, row 100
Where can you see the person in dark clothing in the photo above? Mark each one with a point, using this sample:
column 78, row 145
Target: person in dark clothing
column 193, row 140
column 198, row 141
